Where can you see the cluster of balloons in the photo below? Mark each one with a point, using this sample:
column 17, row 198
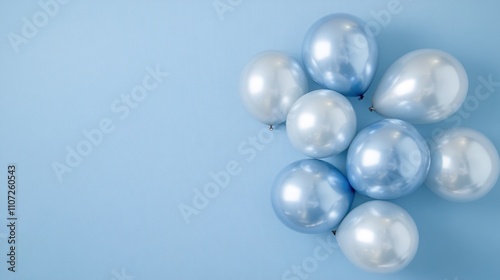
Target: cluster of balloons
column 386, row 160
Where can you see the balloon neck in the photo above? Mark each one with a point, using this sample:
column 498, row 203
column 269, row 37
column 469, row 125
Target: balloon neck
column 361, row 97
column 371, row 109
column 271, row 128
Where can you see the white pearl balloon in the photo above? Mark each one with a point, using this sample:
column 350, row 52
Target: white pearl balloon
column 321, row 123
column 378, row 236
column 464, row 166
column 270, row 84
column 423, row 86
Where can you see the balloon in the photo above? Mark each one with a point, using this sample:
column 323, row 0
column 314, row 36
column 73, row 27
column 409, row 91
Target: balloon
column 388, row 159
column 423, row 86
column 378, row 236
column 321, row 123
column 341, row 54
column 464, row 167
column 311, row 196
column 270, row 83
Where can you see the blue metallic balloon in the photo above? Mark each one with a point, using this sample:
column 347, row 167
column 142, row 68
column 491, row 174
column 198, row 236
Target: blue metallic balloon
column 388, row 159
column 341, row 53
column 311, row 196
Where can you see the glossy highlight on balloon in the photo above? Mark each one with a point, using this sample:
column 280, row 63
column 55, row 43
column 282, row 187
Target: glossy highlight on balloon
column 341, row 54
column 423, row 86
column 321, row 123
column 270, row 84
column 378, row 236
column 465, row 165
column 311, row 196
column 387, row 160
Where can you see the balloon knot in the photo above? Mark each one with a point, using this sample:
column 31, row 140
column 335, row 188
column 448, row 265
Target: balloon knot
column 271, row 128
column 371, row 109
column 334, row 232
column 361, row 97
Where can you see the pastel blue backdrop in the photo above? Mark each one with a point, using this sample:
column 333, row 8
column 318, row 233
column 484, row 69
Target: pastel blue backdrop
column 114, row 213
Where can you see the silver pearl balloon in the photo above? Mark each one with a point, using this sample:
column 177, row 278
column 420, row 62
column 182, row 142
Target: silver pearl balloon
column 341, row 53
column 388, row 159
column 311, row 196
column 321, row 123
column 270, row 83
column 378, row 236
column 464, row 167
column 423, row 86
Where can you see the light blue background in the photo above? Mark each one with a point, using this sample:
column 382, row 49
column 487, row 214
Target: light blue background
column 117, row 215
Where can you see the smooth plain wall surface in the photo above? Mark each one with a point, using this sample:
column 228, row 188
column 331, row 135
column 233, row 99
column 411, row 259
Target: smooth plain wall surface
column 135, row 158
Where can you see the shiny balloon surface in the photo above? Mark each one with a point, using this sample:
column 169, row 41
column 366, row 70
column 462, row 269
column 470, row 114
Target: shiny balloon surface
column 378, row 236
column 423, row 86
column 341, row 53
column 388, row 159
column 270, row 84
column 464, row 166
column 311, row 196
column 321, row 123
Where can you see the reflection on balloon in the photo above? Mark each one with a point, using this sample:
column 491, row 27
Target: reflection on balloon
column 311, row 196
column 341, row 54
column 388, row 159
column 321, row 123
column 378, row 236
column 423, row 86
column 270, row 83
column 464, row 167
